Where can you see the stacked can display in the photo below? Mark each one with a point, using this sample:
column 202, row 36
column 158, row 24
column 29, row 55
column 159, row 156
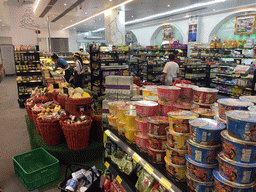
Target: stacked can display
column 167, row 97
column 176, row 147
column 237, row 161
column 157, row 138
column 203, row 147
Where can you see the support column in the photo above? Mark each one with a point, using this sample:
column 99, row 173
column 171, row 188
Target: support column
column 115, row 27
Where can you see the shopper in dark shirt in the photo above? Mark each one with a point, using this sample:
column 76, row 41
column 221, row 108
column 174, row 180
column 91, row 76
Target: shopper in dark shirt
column 62, row 63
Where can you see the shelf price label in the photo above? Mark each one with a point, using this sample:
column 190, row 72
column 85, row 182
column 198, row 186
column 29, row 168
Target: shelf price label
column 148, row 168
column 165, row 183
column 136, row 157
column 119, row 179
column 107, row 164
column 107, row 132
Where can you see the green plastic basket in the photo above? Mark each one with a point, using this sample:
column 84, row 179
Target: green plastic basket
column 36, row 168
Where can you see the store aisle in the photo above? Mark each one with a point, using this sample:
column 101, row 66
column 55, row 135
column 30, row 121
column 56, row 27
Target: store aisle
column 14, row 138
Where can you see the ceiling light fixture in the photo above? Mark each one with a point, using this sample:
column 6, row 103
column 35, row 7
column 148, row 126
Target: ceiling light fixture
column 3, row 25
column 82, row 21
column 175, row 11
column 85, row 12
column 65, row 4
column 132, row 15
column 169, row 5
column 36, row 4
column 98, row 30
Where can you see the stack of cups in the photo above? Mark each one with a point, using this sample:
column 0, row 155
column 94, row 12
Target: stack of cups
column 185, row 100
column 237, row 161
column 167, row 97
column 176, row 148
column 203, row 147
column 144, row 109
column 157, row 138
column 112, row 117
column 130, row 125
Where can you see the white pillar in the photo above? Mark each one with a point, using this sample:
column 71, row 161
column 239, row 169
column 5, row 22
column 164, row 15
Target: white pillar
column 115, row 26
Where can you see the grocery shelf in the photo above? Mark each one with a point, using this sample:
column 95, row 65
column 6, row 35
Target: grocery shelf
column 113, row 61
column 156, row 171
column 26, row 52
column 219, row 83
column 119, row 176
column 225, row 75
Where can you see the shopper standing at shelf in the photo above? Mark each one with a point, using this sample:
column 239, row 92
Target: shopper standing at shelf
column 78, row 68
column 62, row 63
column 171, row 71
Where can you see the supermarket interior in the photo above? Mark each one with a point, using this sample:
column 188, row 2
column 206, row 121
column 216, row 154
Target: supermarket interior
column 127, row 96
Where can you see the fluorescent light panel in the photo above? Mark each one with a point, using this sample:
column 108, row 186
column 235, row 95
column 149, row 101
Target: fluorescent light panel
column 116, row 6
column 98, row 30
column 36, row 5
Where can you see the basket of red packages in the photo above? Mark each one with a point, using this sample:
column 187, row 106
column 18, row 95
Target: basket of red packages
column 76, row 131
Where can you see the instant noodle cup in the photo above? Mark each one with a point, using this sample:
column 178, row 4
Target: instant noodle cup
column 146, row 108
column 113, row 107
column 176, row 156
column 251, row 99
column 195, row 184
column 157, row 142
column 130, row 117
column 142, row 142
column 121, row 111
column 252, row 108
column 168, row 95
column 157, row 125
column 199, row 171
column 177, row 140
column 120, row 126
column 151, row 98
column 205, row 95
column 238, row 150
column 112, row 120
column 130, row 135
column 142, row 126
column 221, row 184
column 132, row 103
column 156, row 156
column 241, row 173
column 205, row 131
column 186, row 92
column 205, row 112
column 164, row 109
column 202, row 153
column 217, row 118
column 187, row 107
column 179, row 120
column 242, row 125
column 177, row 172
column 147, row 92
column 232, row 104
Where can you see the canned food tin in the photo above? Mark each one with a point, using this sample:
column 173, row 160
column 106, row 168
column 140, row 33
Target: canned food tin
column 157, row 142
column 238, row 150
column 177, row 140
column 176, row 156
column 205, row 131
column 203, row 153
column 157, row 125
column 199, row 171
column 177, row 172
column 241, row 173
column 242, row 125
column 221, row 184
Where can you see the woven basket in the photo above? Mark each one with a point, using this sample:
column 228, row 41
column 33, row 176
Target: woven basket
column 50, row 131
column 29, row 112
column 52, row 95
column 77, row 135
column 71, row 104
column 34, row 115
column 97, row 131
column 61, row 100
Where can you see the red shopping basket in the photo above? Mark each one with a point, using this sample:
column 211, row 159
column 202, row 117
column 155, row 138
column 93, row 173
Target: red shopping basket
column 52, row 95
column 61, row 100
column 29, row 112
column 71, row 104
column 34, row 115
column 50, row 131
column 77, row 135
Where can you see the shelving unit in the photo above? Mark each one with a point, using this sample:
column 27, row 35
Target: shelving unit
column 28, row 73
column 104, row 63
column 155, row 170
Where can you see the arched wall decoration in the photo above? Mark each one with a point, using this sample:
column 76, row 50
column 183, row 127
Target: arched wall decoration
column 159, row 30
column 217, row 27
column 130, row 37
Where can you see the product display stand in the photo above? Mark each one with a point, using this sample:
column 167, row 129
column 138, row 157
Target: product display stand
column 157, row 171
column 27, row 64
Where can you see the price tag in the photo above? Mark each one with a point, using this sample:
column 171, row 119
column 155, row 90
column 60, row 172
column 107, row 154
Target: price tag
column 107, row 132
column 118, row 179
column 148, row 169
column 165, row 183
column 136, row 157
column 107, row 164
